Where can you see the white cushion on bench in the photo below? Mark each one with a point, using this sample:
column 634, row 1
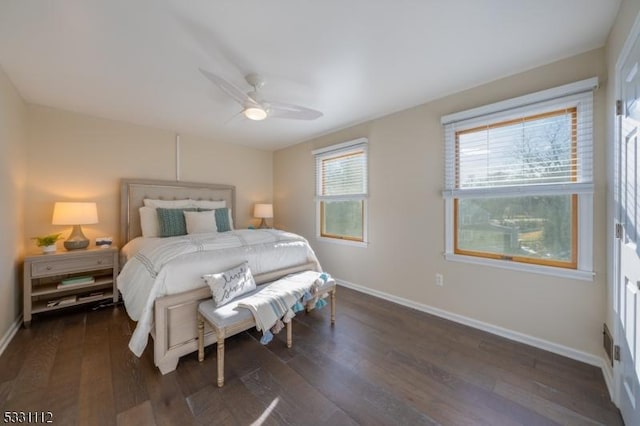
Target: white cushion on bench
column 227, row 314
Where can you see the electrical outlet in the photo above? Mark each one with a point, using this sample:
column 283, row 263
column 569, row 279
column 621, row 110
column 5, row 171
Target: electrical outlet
column 439, row 280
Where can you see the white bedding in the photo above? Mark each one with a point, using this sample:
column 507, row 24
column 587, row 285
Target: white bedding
column 160, row 266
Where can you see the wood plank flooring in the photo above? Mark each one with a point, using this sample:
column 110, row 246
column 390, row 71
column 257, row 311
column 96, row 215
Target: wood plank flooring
column 382, row 364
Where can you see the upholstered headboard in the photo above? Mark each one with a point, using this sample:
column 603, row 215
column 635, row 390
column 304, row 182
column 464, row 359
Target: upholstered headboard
column 134, row 191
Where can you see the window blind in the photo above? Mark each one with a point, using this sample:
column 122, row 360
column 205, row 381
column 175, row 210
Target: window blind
column 541, row 148
column 341, row 171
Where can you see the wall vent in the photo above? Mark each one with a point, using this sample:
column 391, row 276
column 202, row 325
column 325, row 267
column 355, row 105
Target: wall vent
column 607, row 342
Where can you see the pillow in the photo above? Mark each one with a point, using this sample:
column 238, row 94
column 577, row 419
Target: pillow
column 200, row 221
column 167, row 204
column 149, row 222
column 230, row 284
column 224, row 221
column 207, row 204
column 172, row 221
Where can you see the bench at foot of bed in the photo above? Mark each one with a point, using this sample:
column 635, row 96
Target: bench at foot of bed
column 227, row 321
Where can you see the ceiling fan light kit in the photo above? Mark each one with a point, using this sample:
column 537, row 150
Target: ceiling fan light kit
column 255, row 108
column 255, row 113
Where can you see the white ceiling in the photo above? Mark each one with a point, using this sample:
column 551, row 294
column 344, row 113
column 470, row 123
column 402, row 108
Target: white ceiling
column 354, row 60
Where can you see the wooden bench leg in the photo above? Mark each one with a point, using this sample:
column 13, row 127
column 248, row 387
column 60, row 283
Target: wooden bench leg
column 333, row 306
column 200, row 338
column 220, row 358
column 289, row 337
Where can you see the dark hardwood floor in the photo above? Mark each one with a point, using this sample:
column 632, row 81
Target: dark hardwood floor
column 382, row 364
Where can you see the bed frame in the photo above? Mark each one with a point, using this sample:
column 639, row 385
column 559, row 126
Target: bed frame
column 175, row 329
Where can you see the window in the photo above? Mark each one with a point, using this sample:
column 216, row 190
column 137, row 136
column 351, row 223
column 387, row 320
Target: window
column 341, row 191
column 518, row 184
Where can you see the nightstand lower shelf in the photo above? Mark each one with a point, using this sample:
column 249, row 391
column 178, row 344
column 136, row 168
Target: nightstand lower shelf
column 42, row 306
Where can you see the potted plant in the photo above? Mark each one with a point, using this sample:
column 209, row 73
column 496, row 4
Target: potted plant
column 48, row 242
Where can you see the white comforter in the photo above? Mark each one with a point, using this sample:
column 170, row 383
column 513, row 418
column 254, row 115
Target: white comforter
column 172, row 265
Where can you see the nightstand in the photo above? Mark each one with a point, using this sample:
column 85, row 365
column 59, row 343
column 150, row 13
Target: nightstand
column 68, row 278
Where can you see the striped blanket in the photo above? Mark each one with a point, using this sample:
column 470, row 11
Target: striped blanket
column 275, row 301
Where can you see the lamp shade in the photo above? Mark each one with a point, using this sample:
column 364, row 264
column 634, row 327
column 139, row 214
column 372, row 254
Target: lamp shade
column 263, row 210
column 74, row 214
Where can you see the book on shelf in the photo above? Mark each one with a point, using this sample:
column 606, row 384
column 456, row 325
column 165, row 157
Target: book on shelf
column 91, row 295
column 69, row 282
column 62, row 301
column 68, row 300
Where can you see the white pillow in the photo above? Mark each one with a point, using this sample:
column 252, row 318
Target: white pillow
column 200, row 222
column 167, row 204
column 149, row 222
column 230, row 284
column 207, row 204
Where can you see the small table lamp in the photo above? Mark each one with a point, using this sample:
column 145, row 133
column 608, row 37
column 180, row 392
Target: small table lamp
column 75, row 214
column 263, row 211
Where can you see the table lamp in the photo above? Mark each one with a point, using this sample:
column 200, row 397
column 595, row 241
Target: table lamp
column 263, row 211
column 75, row 214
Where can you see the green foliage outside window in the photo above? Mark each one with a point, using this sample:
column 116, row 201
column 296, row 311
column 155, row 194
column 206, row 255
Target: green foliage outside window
column 342, row 219
column 537, row 227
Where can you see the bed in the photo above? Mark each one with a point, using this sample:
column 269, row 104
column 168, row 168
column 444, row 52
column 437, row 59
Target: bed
column 164, row 298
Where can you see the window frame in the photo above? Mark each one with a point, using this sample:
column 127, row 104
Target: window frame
column 578, row 95
column 331, row 152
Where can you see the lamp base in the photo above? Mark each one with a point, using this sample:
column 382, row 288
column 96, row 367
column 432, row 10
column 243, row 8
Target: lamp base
column 76, row 240
column 263, row 224
column 76, row 245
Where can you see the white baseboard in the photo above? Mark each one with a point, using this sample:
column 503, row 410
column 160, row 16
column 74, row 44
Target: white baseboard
column 490, row 328
column 11, row 332
column 607, row 373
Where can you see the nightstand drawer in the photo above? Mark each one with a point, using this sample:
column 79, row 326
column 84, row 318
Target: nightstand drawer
column 59, row 266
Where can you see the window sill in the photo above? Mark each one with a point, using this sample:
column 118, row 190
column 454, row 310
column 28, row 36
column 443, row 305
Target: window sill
column 343, row 242
column 523, row 267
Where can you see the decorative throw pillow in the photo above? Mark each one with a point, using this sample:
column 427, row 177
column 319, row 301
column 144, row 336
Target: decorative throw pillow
column 230, row 284
column 172, row 221
column 149, row 222
column 207, row 204
column 168, row 204
column 200, row 222
column 224, row 222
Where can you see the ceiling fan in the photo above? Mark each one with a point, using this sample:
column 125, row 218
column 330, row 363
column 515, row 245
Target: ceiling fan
column 257, row 108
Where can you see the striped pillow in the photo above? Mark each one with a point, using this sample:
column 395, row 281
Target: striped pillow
column 172, row 221
column 223, row 220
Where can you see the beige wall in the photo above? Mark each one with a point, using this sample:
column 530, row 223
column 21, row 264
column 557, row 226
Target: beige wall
column 406, row 219
column 13, row 137
column 77, row 157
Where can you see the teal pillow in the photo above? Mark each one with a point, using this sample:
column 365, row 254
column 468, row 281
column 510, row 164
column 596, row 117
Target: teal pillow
column 223, row 223
column 172, row 221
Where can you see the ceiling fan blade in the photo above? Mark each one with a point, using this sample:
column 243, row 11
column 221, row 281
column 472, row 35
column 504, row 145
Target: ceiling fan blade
column 296, row 112
column 231, row 90
column 233, row 117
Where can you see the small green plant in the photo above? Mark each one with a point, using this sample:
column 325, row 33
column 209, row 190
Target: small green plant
column 47, row 240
